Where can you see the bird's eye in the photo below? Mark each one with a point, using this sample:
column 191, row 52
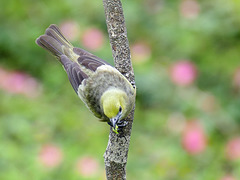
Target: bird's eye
column 120, row 109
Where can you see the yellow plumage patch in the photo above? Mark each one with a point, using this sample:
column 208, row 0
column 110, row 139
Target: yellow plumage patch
column 111, row 101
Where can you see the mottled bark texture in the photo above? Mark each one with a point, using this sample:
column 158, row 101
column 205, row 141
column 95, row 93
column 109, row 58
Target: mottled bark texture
column 117, row 150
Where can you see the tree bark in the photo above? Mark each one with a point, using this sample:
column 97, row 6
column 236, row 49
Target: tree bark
column 118, row 144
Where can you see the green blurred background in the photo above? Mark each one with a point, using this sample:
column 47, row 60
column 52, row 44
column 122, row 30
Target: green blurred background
column 186, row 57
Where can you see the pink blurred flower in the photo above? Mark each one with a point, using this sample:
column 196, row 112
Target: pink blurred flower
column 141, row 52
column 194, row 139
column 236, row 79
column 233, row 149
column 189, row 9
column 183, row 73
column 32, row 88
column 93, row 39
column 4, row 74
column 228, row 177
column 50, row 156
column 19, row 83
column 87, row 166
column 70, row 29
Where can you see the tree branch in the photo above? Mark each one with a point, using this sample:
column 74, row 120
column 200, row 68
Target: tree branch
column 117, row 150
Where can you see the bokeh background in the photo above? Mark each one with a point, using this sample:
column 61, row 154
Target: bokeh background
column 186, row 57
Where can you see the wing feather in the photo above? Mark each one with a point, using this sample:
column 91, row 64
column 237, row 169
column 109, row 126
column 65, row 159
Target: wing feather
column 89, row 60
column 75, row 74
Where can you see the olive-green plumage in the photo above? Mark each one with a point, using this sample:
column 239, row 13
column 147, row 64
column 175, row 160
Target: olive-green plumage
column 103, row 89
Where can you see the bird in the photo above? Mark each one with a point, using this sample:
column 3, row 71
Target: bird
column 102, row 88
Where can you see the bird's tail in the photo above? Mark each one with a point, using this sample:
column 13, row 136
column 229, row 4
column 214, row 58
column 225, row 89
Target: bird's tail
column 54, row 41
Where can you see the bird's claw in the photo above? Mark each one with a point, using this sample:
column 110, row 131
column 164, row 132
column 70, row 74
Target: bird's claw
column 119, row 126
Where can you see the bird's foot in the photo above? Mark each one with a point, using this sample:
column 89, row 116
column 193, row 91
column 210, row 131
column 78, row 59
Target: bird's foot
column 119, row 126
column 122, row 124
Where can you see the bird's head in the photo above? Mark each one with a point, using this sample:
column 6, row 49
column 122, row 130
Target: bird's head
column 114, row 105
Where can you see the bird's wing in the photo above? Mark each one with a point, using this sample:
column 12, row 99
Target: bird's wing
column 90, row 63
column 89, row 60
column 75, row 74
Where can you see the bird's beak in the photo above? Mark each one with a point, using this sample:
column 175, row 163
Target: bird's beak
column 115, row 120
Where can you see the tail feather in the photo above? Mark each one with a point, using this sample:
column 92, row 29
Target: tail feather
column 57, row 30
column 50, row 44
column 54, row 41
column 54, row 32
